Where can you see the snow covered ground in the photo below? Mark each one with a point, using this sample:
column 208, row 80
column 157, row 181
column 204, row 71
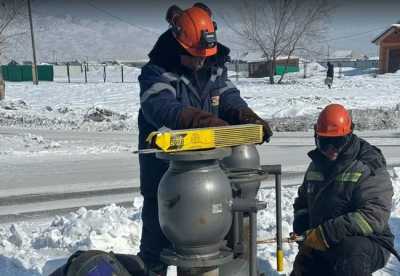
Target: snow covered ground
column 36, row 247
column 75, row 105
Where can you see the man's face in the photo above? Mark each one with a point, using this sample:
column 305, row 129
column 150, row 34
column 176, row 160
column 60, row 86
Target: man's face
column 192, row 63
column 331, row 153
column 331, row 147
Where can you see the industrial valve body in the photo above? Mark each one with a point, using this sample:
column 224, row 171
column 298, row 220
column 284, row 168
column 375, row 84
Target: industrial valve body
column 195, row 200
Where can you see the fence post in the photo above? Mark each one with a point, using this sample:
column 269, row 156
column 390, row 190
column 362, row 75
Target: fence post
column 86, row 69
column 2, row 85
column 237, row 69
column 104, row 72
column 305, row 69
column 68, row 74
column 122, row 72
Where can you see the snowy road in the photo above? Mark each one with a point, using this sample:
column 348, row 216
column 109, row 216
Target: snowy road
column 86, row 170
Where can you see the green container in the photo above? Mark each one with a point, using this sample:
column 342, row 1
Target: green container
column 14, row 72
column 280, row 69
column 4, row 71
column 46, row 72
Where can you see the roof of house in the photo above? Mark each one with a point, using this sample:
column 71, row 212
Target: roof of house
column 385, row 33
column 347, row 54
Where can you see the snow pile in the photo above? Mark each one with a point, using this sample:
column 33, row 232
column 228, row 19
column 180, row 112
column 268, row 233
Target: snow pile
column 40, row 251
column 28, row 142
column 110, row 228
column 93, row 118
column 29, row 249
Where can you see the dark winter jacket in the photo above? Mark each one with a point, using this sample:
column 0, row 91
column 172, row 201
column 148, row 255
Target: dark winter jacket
column 351, row 196
column 167, row 88
column 330, row 71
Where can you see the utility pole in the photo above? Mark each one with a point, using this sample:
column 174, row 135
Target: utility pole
column 327, row 58
column 34, row 65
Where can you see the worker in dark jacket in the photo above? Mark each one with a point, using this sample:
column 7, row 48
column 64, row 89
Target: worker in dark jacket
column 183, row 86
column 329, row 75
column 344, row 203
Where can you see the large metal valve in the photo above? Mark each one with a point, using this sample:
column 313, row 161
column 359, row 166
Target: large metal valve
column 199, row 203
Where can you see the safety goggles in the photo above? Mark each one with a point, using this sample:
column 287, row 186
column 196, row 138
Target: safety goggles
column 326, row 143
column 208, row 40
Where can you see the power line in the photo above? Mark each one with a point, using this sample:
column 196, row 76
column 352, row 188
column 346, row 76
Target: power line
column 353, row 35
column 119, row 18
column 350, row 35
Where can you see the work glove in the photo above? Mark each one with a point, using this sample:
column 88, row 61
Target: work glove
column 191, row 117
column 247, row 116
column 315, row 239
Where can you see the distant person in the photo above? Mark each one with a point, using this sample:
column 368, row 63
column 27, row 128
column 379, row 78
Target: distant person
column 329, row 75
column 344, row 203
column 183, row 86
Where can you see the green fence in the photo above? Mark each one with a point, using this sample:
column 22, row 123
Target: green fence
column 280, row 69
column 13, row 72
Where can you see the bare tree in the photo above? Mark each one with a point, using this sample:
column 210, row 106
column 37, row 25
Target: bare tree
column 280, row 27
column 9, row 11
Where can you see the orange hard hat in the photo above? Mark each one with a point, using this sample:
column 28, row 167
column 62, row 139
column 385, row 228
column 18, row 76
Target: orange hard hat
column 194, row 29
column 334, row 121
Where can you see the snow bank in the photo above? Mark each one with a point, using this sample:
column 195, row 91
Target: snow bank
column 28, row 250
column 28, row 142
column 17, row 113
column 32, row 248
column 65, row 106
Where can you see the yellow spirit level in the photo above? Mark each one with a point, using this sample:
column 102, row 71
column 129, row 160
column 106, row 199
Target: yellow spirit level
column 204, row 138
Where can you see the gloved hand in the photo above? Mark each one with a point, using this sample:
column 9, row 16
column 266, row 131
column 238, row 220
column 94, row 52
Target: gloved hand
column 315, row 239
column 191, row 117
column 247, row 116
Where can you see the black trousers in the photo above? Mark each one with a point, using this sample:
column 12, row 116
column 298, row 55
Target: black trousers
column 153, row 239
column 354, row 256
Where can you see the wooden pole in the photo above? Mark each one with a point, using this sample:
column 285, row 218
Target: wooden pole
column 34, row 65
column 68, row 73
column 86, row 70
column 122, row 72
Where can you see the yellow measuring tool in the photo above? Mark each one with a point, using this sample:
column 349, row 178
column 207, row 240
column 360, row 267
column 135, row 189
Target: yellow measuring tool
column 203, row 138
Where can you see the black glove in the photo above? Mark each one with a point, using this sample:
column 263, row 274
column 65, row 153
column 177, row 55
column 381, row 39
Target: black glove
column 191, row 117
column 302, row 262
column 247, row 116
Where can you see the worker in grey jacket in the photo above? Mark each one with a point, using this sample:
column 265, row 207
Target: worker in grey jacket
column 344, row 203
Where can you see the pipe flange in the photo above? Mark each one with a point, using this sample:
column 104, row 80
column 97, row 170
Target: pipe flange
column 242, row 176
column 172, row 258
